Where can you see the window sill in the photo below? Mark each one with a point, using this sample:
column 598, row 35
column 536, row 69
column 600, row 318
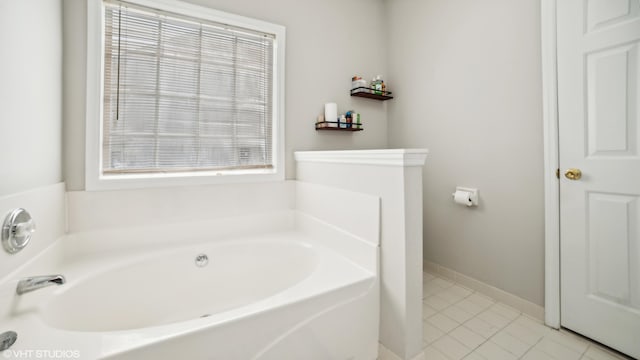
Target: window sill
column 139, row 181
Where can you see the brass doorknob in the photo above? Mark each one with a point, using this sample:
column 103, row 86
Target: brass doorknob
column 573, row 174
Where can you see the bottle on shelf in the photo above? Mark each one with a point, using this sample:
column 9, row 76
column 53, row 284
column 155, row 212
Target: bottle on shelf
column 377, row 84
column 343, row 122
column 349, row 116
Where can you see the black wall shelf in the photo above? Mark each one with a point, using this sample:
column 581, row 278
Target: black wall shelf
column 369, row 93
column 327, row 125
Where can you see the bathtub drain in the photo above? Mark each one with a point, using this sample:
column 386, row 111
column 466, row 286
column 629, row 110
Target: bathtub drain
column 202, row 260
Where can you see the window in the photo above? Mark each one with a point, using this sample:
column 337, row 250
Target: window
column 184, row 99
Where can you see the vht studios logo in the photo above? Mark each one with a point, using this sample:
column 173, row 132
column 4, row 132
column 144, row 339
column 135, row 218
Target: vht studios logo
column 41, row 354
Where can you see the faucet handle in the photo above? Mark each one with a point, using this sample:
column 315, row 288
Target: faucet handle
column 7, row 339
column 24, row 229
column 17, row 229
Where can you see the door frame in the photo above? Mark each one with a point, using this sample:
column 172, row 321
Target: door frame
column 551, row 163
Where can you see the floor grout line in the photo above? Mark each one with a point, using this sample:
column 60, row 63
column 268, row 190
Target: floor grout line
column 486, row 304
column 532, row 347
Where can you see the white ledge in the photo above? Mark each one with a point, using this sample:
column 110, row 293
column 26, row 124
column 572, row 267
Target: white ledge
column 388, row 157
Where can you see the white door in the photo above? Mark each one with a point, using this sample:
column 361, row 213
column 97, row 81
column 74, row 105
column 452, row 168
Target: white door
column 599, row 125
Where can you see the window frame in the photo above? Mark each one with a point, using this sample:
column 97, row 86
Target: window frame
column 95, row 180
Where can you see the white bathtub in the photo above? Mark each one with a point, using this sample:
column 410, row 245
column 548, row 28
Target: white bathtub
column 283, row 295
column 168, row 287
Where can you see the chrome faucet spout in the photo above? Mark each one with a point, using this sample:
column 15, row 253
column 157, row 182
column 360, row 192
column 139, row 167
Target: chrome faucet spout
column 37, row 282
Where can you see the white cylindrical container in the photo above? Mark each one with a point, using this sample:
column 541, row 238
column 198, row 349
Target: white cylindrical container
column 331, row 113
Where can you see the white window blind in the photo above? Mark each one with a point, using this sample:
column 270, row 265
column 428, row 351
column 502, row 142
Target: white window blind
column 184, row 94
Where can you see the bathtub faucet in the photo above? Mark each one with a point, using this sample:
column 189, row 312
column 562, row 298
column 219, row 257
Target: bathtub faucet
column 36, row 282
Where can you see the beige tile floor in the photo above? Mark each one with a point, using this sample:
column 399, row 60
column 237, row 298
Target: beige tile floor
column 460, row 323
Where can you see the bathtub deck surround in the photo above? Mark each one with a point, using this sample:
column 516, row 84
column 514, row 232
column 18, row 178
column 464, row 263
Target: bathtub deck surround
column 297, row 270
column 395, row 176
column 94, row 210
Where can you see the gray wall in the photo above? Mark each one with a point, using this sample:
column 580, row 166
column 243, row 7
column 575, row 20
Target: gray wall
column 323, row 52
column 467, row 78
column 30, row 94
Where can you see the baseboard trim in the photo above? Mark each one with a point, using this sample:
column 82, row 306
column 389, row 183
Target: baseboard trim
column 534, row 310
column 386, row 354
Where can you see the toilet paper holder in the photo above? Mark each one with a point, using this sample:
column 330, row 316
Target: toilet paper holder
column 466, row 196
